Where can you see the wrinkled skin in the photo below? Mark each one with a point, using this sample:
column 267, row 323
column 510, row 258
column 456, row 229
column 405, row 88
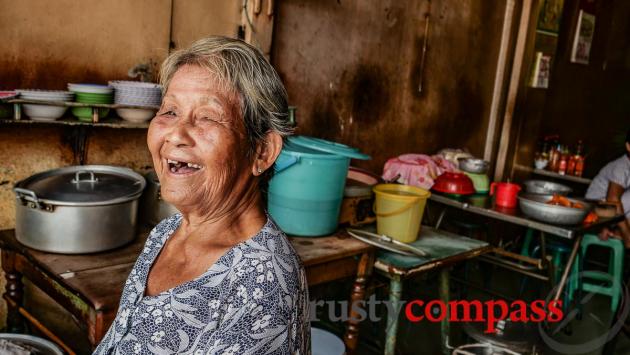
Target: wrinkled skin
column 200, row 123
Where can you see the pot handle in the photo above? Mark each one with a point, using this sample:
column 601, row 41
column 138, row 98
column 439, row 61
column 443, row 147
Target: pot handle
column 284, row 162
column 28, row 195
column 77, row 177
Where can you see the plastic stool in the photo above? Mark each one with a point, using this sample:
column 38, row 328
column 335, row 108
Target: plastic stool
column 558, row 252
column 594, row 281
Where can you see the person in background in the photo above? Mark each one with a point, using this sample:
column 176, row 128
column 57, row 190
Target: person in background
column 612, row 184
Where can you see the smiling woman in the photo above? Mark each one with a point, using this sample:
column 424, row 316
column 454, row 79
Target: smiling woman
column 219, row 278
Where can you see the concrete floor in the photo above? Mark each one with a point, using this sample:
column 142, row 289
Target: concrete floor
column 424, row 337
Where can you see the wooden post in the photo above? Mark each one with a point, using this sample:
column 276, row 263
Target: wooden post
column 14, row 290
column 258, row 24
column 364, row 271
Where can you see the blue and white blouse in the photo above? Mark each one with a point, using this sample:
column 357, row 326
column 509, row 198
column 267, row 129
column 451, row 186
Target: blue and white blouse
column 253, row 300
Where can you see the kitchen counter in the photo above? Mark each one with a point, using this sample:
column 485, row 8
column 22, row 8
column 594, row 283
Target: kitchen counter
column 89, row 285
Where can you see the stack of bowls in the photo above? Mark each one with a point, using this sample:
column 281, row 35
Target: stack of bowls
column 91, row 94
column 134, row 93
column 6, row 109
column 45, row 112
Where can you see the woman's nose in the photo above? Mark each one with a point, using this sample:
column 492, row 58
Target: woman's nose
column 179, row 134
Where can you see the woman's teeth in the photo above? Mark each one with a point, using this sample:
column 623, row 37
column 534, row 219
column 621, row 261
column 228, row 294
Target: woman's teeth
column 176, row 166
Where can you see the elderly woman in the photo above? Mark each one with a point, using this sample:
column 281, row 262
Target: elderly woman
column 219, row 278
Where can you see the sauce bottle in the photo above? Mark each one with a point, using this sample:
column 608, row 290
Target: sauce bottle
column 579, row 159
column 562, row 164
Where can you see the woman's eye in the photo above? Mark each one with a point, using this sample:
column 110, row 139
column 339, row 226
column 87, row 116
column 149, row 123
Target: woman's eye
column 168, row 113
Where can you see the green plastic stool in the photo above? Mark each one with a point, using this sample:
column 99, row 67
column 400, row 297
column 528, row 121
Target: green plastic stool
column 558, row 252
column 593, row 281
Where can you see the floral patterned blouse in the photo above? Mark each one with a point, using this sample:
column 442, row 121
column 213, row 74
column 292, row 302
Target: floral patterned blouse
column 253, row 300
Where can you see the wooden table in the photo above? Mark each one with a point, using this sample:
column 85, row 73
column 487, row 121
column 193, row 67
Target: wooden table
column 444, row 249
column 89, row 286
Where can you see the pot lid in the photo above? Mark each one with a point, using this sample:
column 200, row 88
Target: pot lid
column 85, row 185
column 322, row 145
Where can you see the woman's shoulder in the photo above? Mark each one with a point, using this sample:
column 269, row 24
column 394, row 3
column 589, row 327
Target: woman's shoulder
column 269, row 259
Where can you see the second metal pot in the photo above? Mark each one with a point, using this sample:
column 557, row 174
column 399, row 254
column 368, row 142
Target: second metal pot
column 154, row 209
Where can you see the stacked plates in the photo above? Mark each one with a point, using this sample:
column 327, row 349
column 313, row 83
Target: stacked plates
column 137, row 93
column 45, row 112
column 91, row 94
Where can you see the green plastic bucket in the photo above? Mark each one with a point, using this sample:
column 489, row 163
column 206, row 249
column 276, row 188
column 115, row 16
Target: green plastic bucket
column 399, row 210
column 305, row 194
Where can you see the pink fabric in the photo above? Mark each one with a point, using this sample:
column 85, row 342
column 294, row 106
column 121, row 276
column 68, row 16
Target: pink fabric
column 416, row 169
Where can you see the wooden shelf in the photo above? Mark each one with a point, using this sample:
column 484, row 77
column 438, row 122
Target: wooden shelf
column 111, row 122
column 576, row 179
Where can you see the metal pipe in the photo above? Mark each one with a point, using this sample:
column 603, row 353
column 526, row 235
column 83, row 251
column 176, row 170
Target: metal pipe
column 526, row 259
column 512, row 266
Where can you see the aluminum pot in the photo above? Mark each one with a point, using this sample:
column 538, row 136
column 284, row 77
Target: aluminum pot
column 543, row 187
column 78, row 209
column 536, row 207
column 473, row 165
column 35, row 344
column 154, row 209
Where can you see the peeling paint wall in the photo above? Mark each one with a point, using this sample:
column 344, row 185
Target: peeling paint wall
column 353, row 69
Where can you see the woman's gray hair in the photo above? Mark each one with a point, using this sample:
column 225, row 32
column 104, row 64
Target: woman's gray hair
column 243, row 69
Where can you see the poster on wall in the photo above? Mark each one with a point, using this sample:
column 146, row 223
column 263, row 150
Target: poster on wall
column 583, row 39
column 549, row 17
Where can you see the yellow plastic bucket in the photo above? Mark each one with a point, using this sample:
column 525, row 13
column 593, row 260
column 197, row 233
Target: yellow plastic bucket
column 399, row 210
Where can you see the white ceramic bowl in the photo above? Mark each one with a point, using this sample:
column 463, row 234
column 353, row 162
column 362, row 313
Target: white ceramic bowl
column 541, row 163
column 46, row 98
column 136, row 115
column 44, row 112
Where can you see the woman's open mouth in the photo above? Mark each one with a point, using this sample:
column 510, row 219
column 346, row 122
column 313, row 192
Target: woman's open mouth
column 182, row 167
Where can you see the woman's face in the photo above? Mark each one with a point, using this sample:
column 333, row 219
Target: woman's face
column 198, row 144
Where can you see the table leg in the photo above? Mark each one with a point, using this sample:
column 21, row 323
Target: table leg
column 445, row 327
column 568, row 267
column 14, row 290
column 395, row 291
column 364, row 271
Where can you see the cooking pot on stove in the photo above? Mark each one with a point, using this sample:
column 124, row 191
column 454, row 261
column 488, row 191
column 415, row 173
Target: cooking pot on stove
column 78, row 209
column 153, row 207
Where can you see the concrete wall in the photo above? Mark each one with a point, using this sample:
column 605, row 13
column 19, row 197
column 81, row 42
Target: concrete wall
column 47, row 44
column 353, row 69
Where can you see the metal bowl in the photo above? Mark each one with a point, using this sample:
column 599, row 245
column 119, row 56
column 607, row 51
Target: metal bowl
column 536, row 207
column 473, row 165
column 543, row 187
column 39, row 345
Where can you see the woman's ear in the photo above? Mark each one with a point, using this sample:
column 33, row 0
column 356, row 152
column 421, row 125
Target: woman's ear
column 266, row 153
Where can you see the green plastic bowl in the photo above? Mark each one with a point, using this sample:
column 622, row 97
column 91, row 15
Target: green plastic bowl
column 94, row 98
column 85, row 113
